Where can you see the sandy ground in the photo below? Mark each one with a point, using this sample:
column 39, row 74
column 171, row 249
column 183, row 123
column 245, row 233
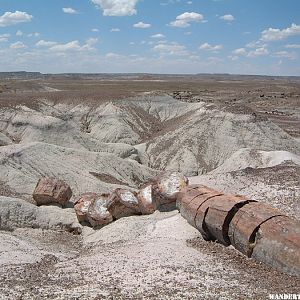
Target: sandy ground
column 150, row 257
column 236, row 134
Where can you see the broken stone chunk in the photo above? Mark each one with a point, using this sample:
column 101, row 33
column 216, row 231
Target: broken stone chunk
column 98, row 213
column 146, row 201
column 123, row 203
column 82, row 205
column 166, row 189
column 51, row 190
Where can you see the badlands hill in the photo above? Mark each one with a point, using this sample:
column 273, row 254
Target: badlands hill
column 239, row 137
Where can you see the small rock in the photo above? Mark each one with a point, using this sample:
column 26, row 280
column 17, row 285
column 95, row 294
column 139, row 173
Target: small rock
column 166, row 189
column 123, row 203
column 51, row 190
column 82, row 204
column 98, row 213
column 146, row 201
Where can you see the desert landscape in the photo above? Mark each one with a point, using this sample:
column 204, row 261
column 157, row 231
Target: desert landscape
column 99, row 132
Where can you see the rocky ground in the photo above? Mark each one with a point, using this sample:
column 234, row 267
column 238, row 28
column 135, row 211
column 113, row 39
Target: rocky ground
column 238, row 136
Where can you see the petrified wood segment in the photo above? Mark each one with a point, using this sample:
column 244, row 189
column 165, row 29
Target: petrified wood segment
column 246, row 222
column 51, row 190
column 166, row 188
column 220, row 212
column 82, row 205
column 123, row 203
column 146, row 201
column 256, row 229
column 277, row 244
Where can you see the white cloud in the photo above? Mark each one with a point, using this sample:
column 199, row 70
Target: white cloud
column 214, row 60
column 158, row 36
column 184, row 20
column 256, row 44
column 35, row 34
column 169, row 2
column 17, row 45
column 208, row 47
column 117, row 7
column 69, row 10
column 71, row 46
column 233, row 57
column 91, row 41
column 170, row 49
column 286, row 54
column 4, row 37
column 293, row 46
column 115, row 30
column 228, row 18
column 240, row 51
column 190, row 2
column 95, row 30
column 271, row 34
column 43, row 43
column 258, row 52
column 142, row 25
column 19, row 33
column 113, row 55
column 10, row 18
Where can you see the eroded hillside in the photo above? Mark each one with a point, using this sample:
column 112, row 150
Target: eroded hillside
column 238, row 136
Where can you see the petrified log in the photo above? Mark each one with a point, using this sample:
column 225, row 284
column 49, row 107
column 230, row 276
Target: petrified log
column 245, row 224
column 98, row 213
column 166, row 188
column 277, row 244
column 219, row 214
column 256, row 229
column 123, row 203
column 82, row 204
column 146, row 200
column 51, row 190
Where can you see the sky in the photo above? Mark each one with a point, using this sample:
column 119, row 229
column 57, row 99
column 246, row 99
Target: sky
column 151, row 36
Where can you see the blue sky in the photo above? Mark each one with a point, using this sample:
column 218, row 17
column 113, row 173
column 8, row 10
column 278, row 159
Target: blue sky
column 154, row 36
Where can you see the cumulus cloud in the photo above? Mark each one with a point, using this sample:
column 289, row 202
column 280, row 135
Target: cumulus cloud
column 17, row 45
column 112, row 55
column 273, row 34
column 169, row 2
column 157, row 36
column 95, row 30
column 142, row 25
column 19, row 33
column 115, row 30
column 256, row 44
column 240, row 51
column 13, row 18
column 228, row 18
column 170, row 49
column 184, row 20
column 258, row 52
column 91, row 41
column 286, row 54
column 43, row 43
column 117, row 8
column 208, row 47
column 33, row 34
column 293, row 46
column 72, row 46
column 69, row 10
column 4, row 37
